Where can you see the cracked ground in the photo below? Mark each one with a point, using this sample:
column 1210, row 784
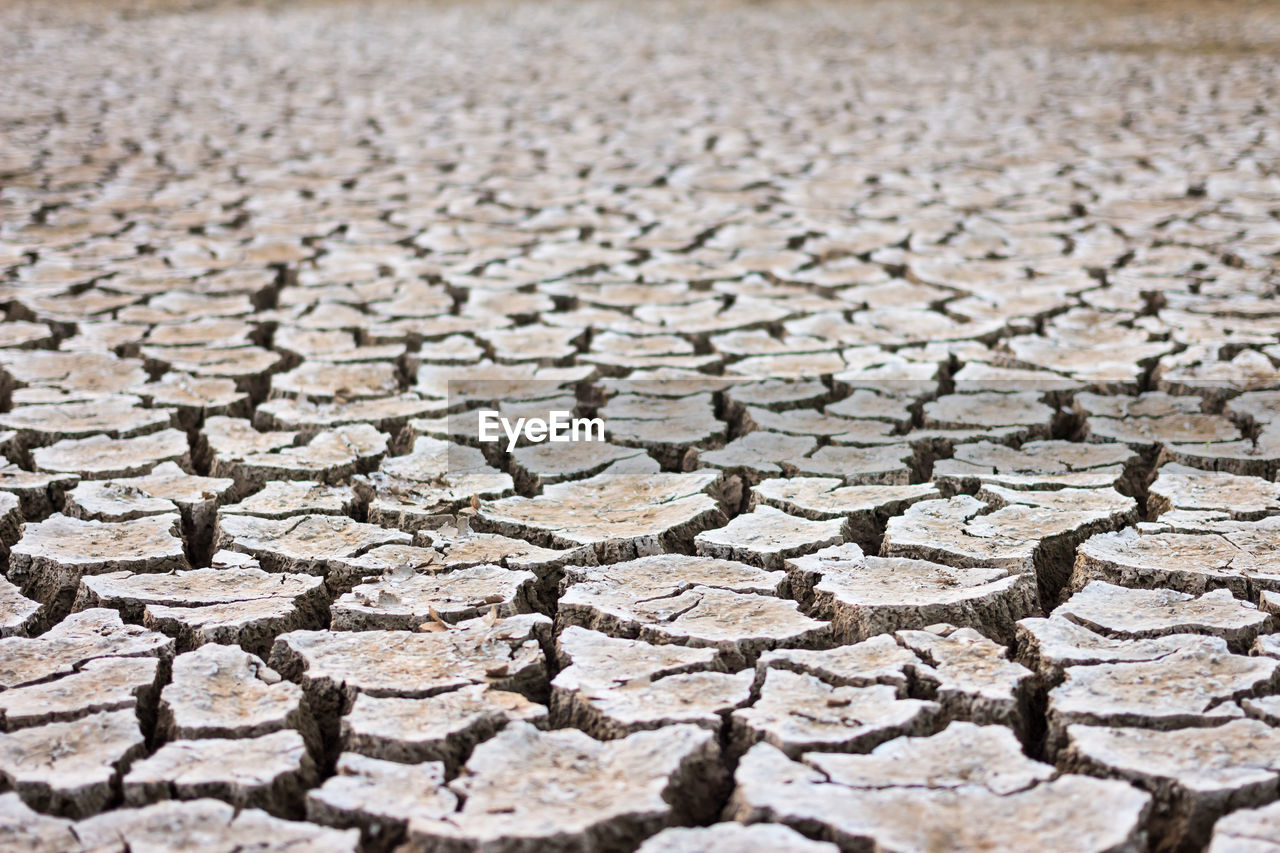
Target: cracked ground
column 937, row 349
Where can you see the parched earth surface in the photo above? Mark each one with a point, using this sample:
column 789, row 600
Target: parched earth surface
column 937, row 352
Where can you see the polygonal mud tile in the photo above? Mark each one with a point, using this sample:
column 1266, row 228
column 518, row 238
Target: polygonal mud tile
column 1248, row 831
column 1035, row 465
column 71, row 644
column 287, row 498
column 865, row 508
column 693, row 601
column 334, row 666
column 334, row 346
column 104, row 684
column 1240, row 560
column 985, row 410
column 268, row 772
column 1021, row 531
column 1178, row 487
column 1049, row 815
column 1117, row 611
column 101, row 458
column 324, row 381
column 71, row 768
column 20, row 334
column 211, row 825
column 734, row 838
column 1195, row 775
column 224, row 331
column 710, row 316
column 1192, row 688
column 344, row 573
column 225, row 441
column 1255, row 407
column 536, row 466
column 329, row 457
column 1145, row 434
column 978, row 376
column 866, row 404
column 380, row 797
column 405, row 600
column 1110, row 361
column 232, row 602
column 21, row 828
column 177, row 306
column 444, row 727
column 619, row 354
column 1048, row 646
column 196, row 497
column 800, row 713
column 885, row 465
column 767, row 536
column 879, row 660
column 113, row 501
column 54, row 554
column 1151, row 421
column 195, row 398
column 114, row 416
column 970, row 676
column 485, row 381
column 436, row 477
column 959, row 755
column 546, row 345
column 664, row 427
column 611, row 687
column 389, row 415
column 621, row 516
column 1204, row 370
column 94, row 372
column 458, row 547
column 303, row 544
column 38, row 493
column 809, row 423
column 864, row 596
column 222, row 692
column 455, row 349
column 787, row 365
column 1151, row 404
column 757, row 455
column 19, row 615
column 514, row 790
column 776, row 394
column 1258, row 456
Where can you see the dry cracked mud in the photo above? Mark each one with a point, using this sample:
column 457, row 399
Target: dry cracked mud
column 935, row 356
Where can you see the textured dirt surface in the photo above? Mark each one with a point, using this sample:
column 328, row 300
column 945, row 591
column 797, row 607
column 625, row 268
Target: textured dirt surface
column 936, row 347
